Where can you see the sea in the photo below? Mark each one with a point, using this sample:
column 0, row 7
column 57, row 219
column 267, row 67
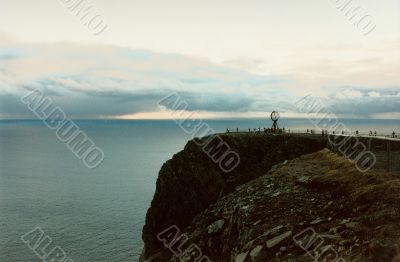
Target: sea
column 97, row 214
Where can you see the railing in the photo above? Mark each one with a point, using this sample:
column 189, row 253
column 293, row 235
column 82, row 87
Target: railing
column 379, row 134
column 384, row 145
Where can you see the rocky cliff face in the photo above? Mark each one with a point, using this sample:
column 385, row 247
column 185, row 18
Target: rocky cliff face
column 190, row 182
column 317, row 207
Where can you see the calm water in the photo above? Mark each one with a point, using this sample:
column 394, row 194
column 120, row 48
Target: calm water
column 94, row 215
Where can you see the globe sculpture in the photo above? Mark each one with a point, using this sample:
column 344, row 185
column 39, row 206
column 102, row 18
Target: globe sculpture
column 274, row 117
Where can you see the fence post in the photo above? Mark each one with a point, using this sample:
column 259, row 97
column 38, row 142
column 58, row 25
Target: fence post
column 388, row 156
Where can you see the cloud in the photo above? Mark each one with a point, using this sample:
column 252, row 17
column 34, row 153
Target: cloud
column 91, row 81
column 364, row 102
column 374, row 94
column 95, row 81
column 349, row 94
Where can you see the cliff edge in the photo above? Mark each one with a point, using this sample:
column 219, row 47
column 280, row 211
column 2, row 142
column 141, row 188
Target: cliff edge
column 289, row 199
column 190, row 181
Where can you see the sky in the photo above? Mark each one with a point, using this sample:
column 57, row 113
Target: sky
column 224, row 58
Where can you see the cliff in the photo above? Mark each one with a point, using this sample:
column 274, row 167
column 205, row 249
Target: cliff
column 191, row 181
column 288, row 200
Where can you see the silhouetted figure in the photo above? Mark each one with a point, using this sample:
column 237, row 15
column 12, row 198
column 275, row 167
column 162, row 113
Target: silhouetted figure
column 375, row 133
column 394, row 134
column 307, row 130
column 333, row 132
column 249, row 130
column 323, row 133
column 370, row 133
column 356, row 132
column 227, row 130
column 237, row 130
column 342, row 132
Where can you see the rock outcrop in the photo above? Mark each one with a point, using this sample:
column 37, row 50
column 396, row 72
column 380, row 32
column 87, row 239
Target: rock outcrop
column 288, row 200
column 191, row 181
column 315, row 207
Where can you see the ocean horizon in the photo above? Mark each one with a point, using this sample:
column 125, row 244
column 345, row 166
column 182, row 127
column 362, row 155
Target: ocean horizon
column 98, row 214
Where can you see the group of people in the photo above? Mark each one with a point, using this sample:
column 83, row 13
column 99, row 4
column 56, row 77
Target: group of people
column 309, row 131
column 325, row 132
column 370, row 133
column 258, row 130
column 393, row 134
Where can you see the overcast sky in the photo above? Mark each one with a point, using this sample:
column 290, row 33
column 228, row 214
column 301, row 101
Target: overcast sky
column 225, row 58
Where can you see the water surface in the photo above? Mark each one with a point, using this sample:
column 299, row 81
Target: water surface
column 95, row 215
